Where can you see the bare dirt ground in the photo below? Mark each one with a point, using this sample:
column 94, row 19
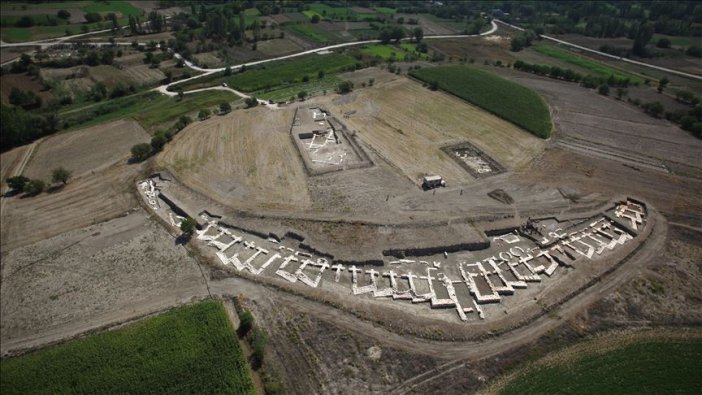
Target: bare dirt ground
column 89, row 277
column 246, row 158
column 10, row 160
column 87, row 150
column 87, row 200
column 413, row 144
column 22, row 82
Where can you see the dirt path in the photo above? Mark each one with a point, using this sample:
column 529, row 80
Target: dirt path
column 19, row 168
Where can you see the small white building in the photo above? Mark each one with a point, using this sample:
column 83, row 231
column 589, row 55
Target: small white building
column 431, row 182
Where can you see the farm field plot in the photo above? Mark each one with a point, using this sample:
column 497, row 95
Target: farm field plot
column 398, row 52
column 85, row 150
column 408, row 124
column 22, row 82
column 86, row 200
column 513, row 102
column 190, row 349
column 649, row 365
column 591, row 66
column 246, row 157
column 90, row 277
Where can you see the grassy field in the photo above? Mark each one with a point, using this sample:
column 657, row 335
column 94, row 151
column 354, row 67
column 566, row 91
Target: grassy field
column 313, row 33
column 278, row 74
column 314, row 86
column 186, row 350
column 679, row 41
column 399, row 52
column 150, row 109
column 594, row 67
column 652, row 366
column 508, row 100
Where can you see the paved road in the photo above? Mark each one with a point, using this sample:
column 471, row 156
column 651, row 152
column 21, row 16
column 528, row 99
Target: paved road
column 636, row 62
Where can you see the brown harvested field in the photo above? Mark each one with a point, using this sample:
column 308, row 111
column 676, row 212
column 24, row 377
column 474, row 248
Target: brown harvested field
column 209, row 58
column 89, row 277
column 84, row 201
column 279, row 46
column 490, row 48
column 246, row 158
column 430, row 27
column 137, row 74
column 10, row 160
column 86, row 150
column 408, row 125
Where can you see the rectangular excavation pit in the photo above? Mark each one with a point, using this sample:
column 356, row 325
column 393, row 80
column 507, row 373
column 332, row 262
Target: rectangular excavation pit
column 325, row 144
column 473, row 160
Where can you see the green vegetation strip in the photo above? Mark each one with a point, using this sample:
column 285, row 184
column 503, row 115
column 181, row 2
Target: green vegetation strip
column 597, row 68
column 277, row 74
column 192, row 349
column 648, row 367
column 506, row 99
column 150, row 109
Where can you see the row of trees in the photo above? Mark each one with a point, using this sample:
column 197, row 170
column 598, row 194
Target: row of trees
column 588, row 81
column 33, row 187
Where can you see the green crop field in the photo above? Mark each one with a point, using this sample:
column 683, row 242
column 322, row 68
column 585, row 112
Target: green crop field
column 123, row 7
column 192, row 349
column 399, row 52
column 595, row 67
column 506, row 99
column 150, row 109
column 312, row 32
column 651, row 367
column 313, row 87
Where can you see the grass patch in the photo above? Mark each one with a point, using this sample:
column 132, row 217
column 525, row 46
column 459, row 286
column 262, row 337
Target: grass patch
column 314, row 86
column 278, row 74
column 397, row 52
column 325, row 11
column 150, row 109
column 312, row 32
column 385, row 10
column 192, row 349
column 506, row 99
column 649, row 367
column 594, row 67
column 678, row 41
column 103, row 7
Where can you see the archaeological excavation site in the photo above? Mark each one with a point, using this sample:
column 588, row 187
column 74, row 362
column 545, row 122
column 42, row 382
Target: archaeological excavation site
column 351, row 197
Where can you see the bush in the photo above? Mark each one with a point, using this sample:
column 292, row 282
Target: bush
column 141, row 151
column 258, row 340
column 663, row 43
column 63, row 14
column 17, row 183
column 158, row 141
column 61, row 175
column 25, row 21
column 204, row 114
column 315, row 18
column 225, row 108
column 92, row 17
column 345, row 87
column 188, row 226
column 654, row 109
column 251, row 102
column 246, row 321
column 34, row 187
column 603, row 90
column 694, row 50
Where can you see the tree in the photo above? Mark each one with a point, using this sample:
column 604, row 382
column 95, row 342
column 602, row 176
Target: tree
column 17, row 183
column 654, row 109
column 34, row 187
column 345, row 87
column 225, row 108
column 251, row 102
column 621, row 92
column 203, row 114
column 188, row 225
column 663, row 43
column 60, row 174
column 694, row 50
column 643, row 32
column 315, row 18
column 687, row 97
column 63, row 14
column 25, row 21
column 158, row 141
column 301, row 95
column 662, row 83
column 228, row 71
column 92, row 17
column 141, row 151
column 418, row 34
column 180, row 93
column 320, row 74
column 603, row 90
column 246, row 322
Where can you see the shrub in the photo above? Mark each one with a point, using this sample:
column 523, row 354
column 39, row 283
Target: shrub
column 694, row 50
column 17, row 183
column 246, row 321
column 34, row 187
column 663, row 43
column 225, row 108
column 61, row 175
column 158, row 141
column 141, row 151
column 345, row 87
column 603, row 90
column 92, row 17
column 188, row 226
column 203, row 114
column 63, row 14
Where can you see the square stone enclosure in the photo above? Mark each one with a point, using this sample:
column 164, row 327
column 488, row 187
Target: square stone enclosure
column 324, row 142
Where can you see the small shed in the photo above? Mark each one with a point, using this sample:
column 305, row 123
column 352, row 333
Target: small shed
column 431, row 182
